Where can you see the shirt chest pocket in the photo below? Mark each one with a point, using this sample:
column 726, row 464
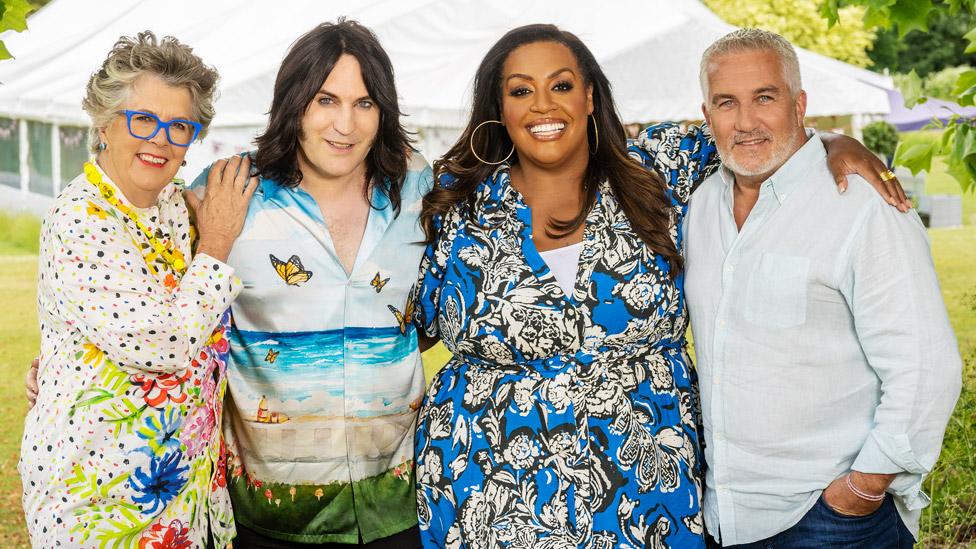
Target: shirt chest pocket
column 776, row 294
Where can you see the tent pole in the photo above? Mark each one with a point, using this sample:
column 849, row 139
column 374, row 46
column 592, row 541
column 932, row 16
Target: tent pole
column 56, row 158
column 857, row 123
column 24, row 156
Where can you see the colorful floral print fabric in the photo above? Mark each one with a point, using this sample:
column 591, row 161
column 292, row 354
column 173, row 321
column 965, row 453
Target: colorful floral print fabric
column 561, row 420
column 122, row 446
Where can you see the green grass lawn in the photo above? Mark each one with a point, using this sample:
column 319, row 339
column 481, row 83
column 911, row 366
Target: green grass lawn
column 20, row 340
column 949, row 522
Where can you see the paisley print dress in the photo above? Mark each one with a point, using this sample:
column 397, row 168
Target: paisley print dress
column 561, row 420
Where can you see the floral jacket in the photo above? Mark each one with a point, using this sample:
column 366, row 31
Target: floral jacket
column 122, row 448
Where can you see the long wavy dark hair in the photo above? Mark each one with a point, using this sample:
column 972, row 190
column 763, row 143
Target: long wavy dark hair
column 640, row 192
column 306, row 66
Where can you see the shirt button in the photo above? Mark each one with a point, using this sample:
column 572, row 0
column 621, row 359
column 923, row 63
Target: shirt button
column 717, row 380
column 721, row 323
column 730, row 268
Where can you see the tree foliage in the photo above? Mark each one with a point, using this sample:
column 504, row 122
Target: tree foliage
column 958, row 144
column 13, row 16
column 941, row 47
column 801, row 23
column 881, row 138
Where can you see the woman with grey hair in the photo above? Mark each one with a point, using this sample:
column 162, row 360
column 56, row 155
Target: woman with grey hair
column 121, row 448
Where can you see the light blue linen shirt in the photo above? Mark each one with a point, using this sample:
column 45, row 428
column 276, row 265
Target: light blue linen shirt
column 823, row 346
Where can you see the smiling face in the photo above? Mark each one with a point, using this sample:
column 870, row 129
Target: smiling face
column 755, row 118
column 545, row 104
column 141, row 168
column 339, row 125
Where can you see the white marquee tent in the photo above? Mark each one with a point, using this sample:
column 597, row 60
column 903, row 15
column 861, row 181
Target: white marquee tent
column 649, row 49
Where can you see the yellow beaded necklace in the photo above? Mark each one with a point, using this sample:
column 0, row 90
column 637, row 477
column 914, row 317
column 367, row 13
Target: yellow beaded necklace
column 172, row 256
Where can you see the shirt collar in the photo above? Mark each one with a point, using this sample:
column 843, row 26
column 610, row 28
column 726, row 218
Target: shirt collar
column 792, row 173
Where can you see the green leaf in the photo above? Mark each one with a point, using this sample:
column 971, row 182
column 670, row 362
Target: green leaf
column 910, row 15
column 960, row 173
column 962, row 158
column 829, row 12
column 911, row 90
column 877, row 17
column 965, row 88
column 947, row 137
column 15, row 15
column 89, row 398
column 971, row 36
column 915, row 157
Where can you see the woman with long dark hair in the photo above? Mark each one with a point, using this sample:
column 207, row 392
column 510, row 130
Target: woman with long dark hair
column 567, row 416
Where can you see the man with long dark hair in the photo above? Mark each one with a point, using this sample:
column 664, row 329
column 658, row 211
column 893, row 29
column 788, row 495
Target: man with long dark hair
column 326, row 375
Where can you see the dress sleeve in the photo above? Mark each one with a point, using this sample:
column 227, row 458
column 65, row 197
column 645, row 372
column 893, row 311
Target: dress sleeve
column 684, row 157
column 105, row 290
column 427, row 291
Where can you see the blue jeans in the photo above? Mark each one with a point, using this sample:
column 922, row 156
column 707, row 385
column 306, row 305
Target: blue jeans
column 822, row 528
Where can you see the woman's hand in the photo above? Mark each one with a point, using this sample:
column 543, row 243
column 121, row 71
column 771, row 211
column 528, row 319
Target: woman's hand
column 219, row 216
column 31, row 383
column 847, row 156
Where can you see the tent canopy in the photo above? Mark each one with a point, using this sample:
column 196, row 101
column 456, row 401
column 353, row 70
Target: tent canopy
column 650, row 50
column 905, row 119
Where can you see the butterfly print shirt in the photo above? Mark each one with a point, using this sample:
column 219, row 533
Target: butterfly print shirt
column 562, row 420
column 123, row 446
column 325, row 374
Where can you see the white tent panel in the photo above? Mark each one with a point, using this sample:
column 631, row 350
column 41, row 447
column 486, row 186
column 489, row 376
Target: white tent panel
column 650, row 50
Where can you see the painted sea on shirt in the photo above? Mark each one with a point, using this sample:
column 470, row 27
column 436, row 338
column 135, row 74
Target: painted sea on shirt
column 290, row 385
column 302, row 374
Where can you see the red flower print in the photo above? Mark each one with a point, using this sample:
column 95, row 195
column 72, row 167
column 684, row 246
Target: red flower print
column 162, row 387
column 220, row 475
column 218, row 341
column 173, row 536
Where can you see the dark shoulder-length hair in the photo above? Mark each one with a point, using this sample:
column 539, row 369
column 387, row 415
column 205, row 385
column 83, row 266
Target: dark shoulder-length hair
column 306, row 66
column 641, row 193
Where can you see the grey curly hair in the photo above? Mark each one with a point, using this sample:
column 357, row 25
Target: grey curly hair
column 133, row 56
column 743, row 40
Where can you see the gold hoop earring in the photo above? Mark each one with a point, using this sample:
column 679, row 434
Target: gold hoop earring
column 471, row 144
column 596, row 134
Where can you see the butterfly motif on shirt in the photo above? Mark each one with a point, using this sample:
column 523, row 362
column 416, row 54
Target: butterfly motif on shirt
column 403, row 318
column 271, row 356
column 291, row 271
column 378, row 283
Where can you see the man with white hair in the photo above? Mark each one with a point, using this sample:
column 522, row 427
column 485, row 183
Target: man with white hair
column 828, row 368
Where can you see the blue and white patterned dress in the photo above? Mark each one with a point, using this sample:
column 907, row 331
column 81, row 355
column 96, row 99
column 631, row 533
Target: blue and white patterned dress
column 561, row 421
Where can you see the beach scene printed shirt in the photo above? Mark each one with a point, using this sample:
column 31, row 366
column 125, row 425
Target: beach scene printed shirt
column 325, row 376
column 121, row 449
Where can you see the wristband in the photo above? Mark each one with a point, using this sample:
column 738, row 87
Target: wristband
column 860, row 494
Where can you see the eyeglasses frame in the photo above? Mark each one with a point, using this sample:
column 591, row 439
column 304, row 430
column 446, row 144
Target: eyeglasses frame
column 160, row 124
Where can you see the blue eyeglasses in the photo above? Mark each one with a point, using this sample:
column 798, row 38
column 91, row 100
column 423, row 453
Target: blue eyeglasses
column 145, row 125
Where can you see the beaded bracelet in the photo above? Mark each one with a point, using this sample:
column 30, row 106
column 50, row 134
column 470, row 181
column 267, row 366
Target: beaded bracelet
column 860, row 494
